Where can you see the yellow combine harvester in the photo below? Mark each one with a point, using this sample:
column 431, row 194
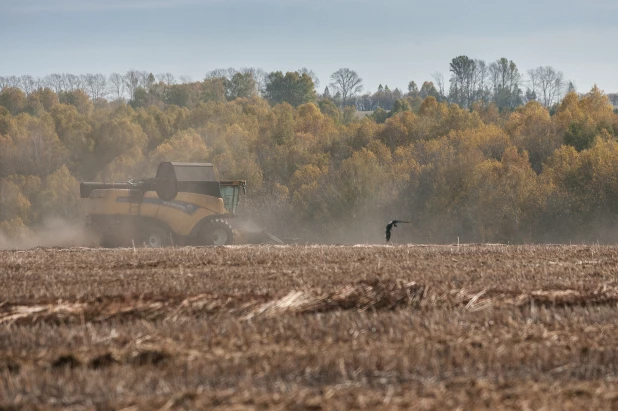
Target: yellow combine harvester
column 184, row 204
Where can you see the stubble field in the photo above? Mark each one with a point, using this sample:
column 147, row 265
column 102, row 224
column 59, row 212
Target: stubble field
column 320, row 327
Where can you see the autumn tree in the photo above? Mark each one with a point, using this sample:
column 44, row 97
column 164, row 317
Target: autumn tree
column 379, row 115
column 428, row 90
column 532, row 130
column 241, row 85
column 185, row 145
column 507, row 198
column 14, row 99
column 293, row 88
column 37, row 149
column 399, row 106
column 212, row 89
column 74, row 131
column 58, row 197
column 116, row 137
column 79, row 99
column 582, row 119
column 45, row 97
column 330, row 109
column 310, row 73
column 482, row 171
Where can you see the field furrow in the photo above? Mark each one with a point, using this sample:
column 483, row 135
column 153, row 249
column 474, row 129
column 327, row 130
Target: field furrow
column 421, row 327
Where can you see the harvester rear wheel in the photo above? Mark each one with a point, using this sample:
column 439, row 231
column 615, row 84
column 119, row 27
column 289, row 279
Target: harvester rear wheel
column 156, row 237
column 217, row 232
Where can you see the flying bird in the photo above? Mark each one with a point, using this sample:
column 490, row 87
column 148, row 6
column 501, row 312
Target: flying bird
column 390, row 226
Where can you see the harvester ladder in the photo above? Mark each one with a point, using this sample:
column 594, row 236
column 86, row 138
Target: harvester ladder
column 135, row 202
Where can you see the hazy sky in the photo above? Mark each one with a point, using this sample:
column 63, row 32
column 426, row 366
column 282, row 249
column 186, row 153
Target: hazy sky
column 388, row 41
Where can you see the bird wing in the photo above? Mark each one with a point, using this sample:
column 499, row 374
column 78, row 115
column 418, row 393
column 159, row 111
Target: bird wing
column 401, row 221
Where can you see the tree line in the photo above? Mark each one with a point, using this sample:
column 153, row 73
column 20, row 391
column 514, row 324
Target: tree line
column 318, row 170
column 471, row 81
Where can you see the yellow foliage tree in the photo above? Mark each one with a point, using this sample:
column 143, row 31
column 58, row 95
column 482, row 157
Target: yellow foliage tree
column 36, row 146
column 13, row 204
column 531, row 129
column 74, row 130
column 506, row 198
column 115, row 138
column 185, row 146
column 580, row 120
column 58, row 198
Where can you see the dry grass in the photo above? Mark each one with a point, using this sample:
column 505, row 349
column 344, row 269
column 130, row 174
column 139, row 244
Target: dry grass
column 336, row 327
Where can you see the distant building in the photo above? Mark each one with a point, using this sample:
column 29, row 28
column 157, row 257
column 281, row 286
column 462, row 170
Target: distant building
column 361, row 114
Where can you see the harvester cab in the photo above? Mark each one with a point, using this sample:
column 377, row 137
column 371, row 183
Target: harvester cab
column 185, row 203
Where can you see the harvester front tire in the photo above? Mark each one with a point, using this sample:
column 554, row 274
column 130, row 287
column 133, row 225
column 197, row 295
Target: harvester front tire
column 217, row 232
column 156, row 237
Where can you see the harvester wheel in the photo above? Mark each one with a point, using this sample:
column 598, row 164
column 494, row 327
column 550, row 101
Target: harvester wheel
column 156, row 237
column 217, row 232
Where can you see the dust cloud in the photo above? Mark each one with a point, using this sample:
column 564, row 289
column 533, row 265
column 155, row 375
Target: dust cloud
column 53, row 233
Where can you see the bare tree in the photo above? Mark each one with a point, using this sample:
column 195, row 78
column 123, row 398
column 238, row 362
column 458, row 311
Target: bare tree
column 146, row 80
column 28, row 83
column 504, row 74
column 132, row 81
column 74, row 82
column 347, row 83
column 439, row 79
column 116, row 85
column 185, row 78
column 310, row 73
column 14, row 81
column 227, row 73
column 481, row 80
column 259, row 76
column 56, row 82
column 96, row 85
column 547, row 83
column 10, row 81
column 506, row 81
column 166, row 78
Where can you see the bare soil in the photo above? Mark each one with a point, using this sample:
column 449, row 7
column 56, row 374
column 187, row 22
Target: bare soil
column 318, row 327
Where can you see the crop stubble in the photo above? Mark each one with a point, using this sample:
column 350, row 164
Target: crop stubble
column 423, row 327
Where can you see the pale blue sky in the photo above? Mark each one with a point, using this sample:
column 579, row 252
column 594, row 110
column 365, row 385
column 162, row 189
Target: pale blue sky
column 389, row 41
